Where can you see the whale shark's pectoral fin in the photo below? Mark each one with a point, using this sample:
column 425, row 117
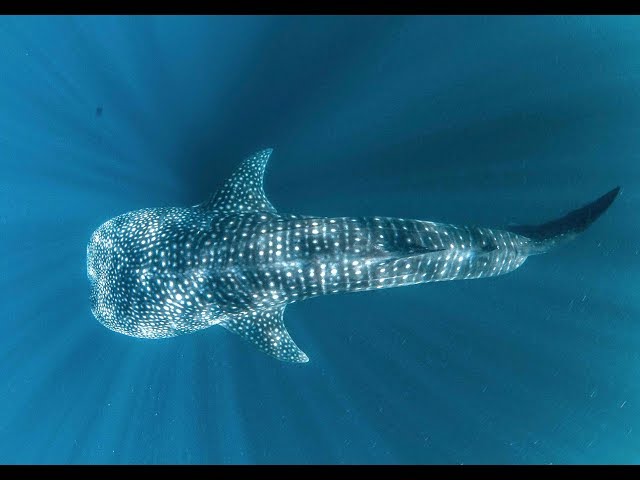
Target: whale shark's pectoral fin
column 243, row 191
column 265, row 329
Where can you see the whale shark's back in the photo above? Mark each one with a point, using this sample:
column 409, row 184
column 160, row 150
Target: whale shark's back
column 557, row 232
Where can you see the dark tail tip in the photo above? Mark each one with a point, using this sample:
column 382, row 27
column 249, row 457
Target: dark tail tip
column 572, row 223
column 588, row 214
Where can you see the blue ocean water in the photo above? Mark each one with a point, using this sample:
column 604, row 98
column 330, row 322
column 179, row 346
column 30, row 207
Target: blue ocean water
column 470, row 120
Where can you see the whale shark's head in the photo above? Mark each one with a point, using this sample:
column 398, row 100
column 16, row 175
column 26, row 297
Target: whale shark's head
column 144, row 272
column 122, row 256
column 100, row 270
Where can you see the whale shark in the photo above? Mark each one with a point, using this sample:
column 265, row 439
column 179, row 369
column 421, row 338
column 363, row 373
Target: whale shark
column 237, row 262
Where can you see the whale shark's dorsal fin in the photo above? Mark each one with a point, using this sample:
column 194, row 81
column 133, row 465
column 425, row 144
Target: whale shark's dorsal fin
column 265, row 329
column 243, row 191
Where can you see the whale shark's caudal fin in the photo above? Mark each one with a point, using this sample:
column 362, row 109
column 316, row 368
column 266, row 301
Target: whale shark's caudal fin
column 557, row 232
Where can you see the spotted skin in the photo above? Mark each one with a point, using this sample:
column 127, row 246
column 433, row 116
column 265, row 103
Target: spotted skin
column 235, row 261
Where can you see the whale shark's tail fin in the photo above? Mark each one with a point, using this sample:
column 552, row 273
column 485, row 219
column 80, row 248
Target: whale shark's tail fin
column 560, row 231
